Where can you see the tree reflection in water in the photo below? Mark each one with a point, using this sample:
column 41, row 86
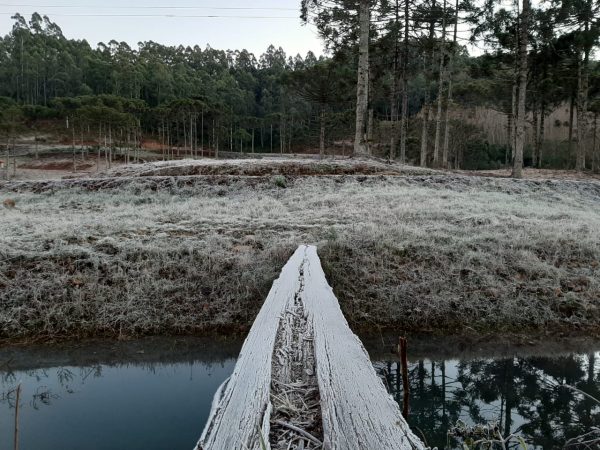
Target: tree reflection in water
column 531, row 397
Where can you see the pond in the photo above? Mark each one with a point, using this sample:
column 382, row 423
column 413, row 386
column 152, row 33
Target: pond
column 155, row 394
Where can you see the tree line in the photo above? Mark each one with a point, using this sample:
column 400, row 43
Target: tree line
column 544, row 51
column 396, row 74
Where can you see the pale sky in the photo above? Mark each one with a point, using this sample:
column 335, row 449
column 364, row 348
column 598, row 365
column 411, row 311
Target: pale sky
column 274, row 22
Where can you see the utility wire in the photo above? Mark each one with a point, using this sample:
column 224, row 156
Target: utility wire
column 187, row 16
column 235, row 8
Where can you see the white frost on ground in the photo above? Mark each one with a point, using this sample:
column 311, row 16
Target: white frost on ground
column 259, row 166
column 420, row 252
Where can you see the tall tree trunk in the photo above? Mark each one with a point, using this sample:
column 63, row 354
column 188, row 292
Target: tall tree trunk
column 426, row 106
column 322, row 134
column 362, row 85
column 440, row 99
column 540, row 141
column 196, row 135
column 109, row 146
column 129, row 146
column 595, row 151
column 571, row 119
column 370, row 124
column 191, row 135
column 395, row 83
column 73, row 148
column 394, row 129
column 370, row 112
column 185, row 136
column 161, row 136
column 536, row 135
column 404, row 118
column 282, row 132
column 508, row 151
column 424, row 133
column 513, row 120
column 214, row 140
column 7, row 162
column 520, row 134
column 216, row 146
column 14, row 156
column 449, row 99
column 582, row 101
column 515, row 88
column 35, row 137
column 291, row 135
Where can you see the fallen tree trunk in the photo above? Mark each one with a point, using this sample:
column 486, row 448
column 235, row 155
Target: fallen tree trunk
column 302, row 315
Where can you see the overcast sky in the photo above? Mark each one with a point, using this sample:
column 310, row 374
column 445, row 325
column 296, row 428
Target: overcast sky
column 273, row 22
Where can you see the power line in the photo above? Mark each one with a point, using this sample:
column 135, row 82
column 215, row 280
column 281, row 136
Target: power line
column 187, row 16
column 234, row 8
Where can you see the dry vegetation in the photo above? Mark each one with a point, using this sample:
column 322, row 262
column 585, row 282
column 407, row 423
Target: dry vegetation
column 536, row 174
column 266, row 166
column 162, row 254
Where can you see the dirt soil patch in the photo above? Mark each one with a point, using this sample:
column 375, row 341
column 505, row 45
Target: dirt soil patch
column 56, row 165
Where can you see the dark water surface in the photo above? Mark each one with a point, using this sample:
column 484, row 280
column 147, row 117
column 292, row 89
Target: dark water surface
column 155, row 394
column 523, row 390
column 146, row 395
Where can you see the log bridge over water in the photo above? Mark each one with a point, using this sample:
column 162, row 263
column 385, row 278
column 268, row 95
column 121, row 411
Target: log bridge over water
column 303, row 380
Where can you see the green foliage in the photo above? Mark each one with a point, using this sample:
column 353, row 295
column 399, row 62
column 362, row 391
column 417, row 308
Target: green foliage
column 273, row 102
column 11, row 118
column 280, row 181
column 159, row 88
column 481, row 155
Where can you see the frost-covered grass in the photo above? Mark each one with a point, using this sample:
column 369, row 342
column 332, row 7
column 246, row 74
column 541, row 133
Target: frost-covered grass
column 266, row 166
column 158, row 255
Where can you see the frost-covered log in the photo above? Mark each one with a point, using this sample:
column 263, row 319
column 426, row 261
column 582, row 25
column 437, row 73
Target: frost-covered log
column 241, row 409
column 300, row 344
column 357, row 411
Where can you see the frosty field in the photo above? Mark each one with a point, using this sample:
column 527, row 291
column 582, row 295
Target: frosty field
column 147, row 251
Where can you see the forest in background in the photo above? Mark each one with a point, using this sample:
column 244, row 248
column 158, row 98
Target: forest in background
column 425, row 94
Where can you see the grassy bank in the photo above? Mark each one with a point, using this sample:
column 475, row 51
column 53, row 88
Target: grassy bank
column 137, row 254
